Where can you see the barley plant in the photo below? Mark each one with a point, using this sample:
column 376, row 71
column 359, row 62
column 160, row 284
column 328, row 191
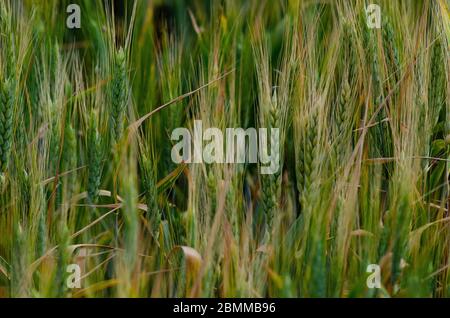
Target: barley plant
column 87, row 178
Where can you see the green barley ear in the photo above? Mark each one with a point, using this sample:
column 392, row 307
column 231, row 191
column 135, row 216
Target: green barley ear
column 118, row 94
column 391, row 54
column 274, row 108
column 270, row 184
column 309, row 164
column 7, row 40
column 151, row 194
column 370, row 43
column 310, row 149
column 349, row 56
column 344, row 99
column 6, row 122
column 94, row 159
column 342, row 120
column 349, row 75
column 436, row 93
column 269, row 199
column 381, row 133
column 300, row 169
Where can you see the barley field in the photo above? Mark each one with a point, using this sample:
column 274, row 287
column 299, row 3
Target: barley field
column 93, row 204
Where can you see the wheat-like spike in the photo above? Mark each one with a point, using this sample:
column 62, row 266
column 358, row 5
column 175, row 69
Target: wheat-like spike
column 7, row 41
column 306, row 164
column 437, row 83
column 344, row 99
column 300, row 169
column 391, row 53
column 349, row 74
column 381, row 132
column 6, row 122
column 94, row 160
column 370, row 42
column 151, row 194
column 348, row 53
column 118, row 94
column 342, row 119
column 269, row 197
column 310, row 162
column 271, row 183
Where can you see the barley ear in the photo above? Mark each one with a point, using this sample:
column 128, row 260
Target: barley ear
column 151, row 194
column 309, row 156
column 94, row 159
column 437, row 83
column 6, row 122
column 271, row 183
column 118, row 94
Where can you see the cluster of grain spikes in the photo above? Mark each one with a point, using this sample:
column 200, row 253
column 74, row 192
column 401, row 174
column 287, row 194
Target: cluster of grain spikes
column 275, row 98
column 363, row 174
column 345, row 106
column 307, row 130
